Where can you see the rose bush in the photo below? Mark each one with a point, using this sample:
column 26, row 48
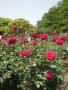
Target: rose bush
column 36, row 64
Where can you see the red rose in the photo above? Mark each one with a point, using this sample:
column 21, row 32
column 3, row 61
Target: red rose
column 60, row 42
column 15, row 28
column 39, row 35
column 66, row 59
column 33, row 34
column 44, row 36
column 49, row 75
column 53, row 32
column 3, row 36
column 35, row 42
column 0, row 40
column 25, row 42
column 54, row 38
column 63, row 38
column 25, row 53
column 50, row 55
column 12, row 41
column 22, row 38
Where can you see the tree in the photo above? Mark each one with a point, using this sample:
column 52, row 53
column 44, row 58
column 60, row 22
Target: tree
column 56, row 18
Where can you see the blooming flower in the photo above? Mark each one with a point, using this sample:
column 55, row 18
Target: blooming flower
column 15, row 28
column 66, row 59
column 25, row 42
column 0, row 40
column 35, row 42
column 60, row 42
column 25, row 53
column 12, row 41
column 44, row 36
column 39, row 35
column 63, row 38
column 49, row 75
column 54, row 32
column 3, row 36
column 54, row 38
column 22, row 38
column 33, row 34
column 50, row 55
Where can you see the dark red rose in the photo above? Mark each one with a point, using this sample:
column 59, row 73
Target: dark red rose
column 63, row 38
column 33, row 34
column 25, row 42
column 12, row 41
column 15, row 28
column 0, row 40
column 60, row 42
column 50, row 55
column 49, row 75
column 25, row 53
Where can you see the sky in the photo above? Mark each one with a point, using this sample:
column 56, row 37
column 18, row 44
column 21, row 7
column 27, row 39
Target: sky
column 31, row 10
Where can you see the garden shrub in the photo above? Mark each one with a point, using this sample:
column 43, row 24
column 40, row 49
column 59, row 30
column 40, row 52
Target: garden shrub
column 36, row 63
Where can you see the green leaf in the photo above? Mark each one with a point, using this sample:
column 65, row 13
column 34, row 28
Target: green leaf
column 38, row 85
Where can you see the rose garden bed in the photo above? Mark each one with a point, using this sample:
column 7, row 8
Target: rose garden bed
column 37, row 63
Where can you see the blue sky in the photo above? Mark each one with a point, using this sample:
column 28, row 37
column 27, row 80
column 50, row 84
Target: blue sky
column 31, row 10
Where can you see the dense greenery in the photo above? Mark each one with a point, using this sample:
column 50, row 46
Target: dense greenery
column 55, row 19
column 4, row 24
column 22, row 24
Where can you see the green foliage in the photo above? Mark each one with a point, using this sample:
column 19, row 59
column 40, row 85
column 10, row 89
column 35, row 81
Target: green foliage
column 29, row 71
column 56, row 18
column 22, row 24
column 4, row 24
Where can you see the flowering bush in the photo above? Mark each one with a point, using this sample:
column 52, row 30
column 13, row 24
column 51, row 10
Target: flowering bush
column 36, row 63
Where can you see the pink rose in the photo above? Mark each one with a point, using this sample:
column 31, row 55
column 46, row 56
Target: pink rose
column 49, row 75
column 25, row 53
column 50, row 55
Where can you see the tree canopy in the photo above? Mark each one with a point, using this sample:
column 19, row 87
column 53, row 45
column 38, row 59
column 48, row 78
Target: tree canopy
column 56, row 19
column 23, row 25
